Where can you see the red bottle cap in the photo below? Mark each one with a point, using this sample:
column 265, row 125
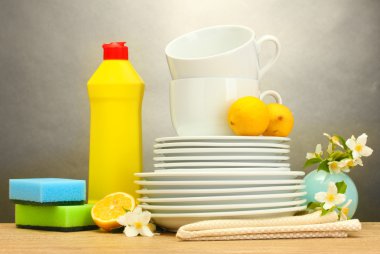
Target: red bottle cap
column 115, row 50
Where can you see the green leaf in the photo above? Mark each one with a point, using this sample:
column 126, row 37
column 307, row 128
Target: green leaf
column 312, row 161
column 342, row 141
column 126, row 210
column 338, row 156
column 341, row 186
column 324, row 166
column 313, row 205
column 333, row 155
column 324, row 211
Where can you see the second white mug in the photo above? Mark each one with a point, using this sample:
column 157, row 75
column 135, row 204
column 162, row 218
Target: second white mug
column 199, row 106
column 219, row 51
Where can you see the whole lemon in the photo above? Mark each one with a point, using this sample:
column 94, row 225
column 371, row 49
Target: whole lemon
column 248, row 116
column 281, row 121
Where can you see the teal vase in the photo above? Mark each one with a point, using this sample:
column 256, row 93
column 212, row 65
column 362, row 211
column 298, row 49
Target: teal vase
column 317, row 181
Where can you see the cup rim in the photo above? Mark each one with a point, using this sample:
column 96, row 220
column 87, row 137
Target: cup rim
column 214, row 78
column 210, row 56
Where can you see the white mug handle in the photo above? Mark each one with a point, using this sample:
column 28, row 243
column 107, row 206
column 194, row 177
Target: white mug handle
column 259, row 42
column 272, row 93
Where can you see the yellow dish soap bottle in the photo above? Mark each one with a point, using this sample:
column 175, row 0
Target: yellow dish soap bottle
column 115, row 91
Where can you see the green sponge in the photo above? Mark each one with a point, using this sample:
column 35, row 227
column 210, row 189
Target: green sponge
column 55, row 218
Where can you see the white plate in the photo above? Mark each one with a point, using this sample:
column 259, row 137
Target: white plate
column 228, row 199
column 223, row 158
column 220, row 164
column 252, row 139
column 217, row 144
column 178, row 176
column 221, row 151
column 175, row 220
column 180, row 193
column 214, row 184
column 211, row 170
column 225, row 207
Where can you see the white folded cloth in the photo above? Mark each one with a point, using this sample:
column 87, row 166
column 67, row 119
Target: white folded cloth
column 304, row 226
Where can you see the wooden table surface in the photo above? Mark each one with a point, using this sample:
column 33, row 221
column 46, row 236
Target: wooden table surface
column 14, row 240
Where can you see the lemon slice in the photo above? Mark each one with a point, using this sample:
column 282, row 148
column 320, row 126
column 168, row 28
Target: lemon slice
column 106, row 211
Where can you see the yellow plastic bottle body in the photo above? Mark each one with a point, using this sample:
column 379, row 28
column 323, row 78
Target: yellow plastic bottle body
column 115, row 91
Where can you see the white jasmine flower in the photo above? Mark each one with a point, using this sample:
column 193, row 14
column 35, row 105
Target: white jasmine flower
column 346, row 164
column 335, row 167
column 358, row 161
column 330, row 148
column 318, row 152
column 333, row 140
column 343, row 215
column 136, row 222
column 358, row 146
column 331, row 197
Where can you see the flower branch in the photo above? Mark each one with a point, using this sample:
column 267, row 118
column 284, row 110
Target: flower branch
column 341, row 155
column 330, row 200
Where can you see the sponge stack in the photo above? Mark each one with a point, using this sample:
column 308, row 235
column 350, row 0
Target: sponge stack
column 47, row 191
column 55, row 218
column 51, row 204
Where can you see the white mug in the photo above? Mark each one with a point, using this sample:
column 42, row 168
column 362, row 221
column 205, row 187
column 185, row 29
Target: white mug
column 199, row 106
column 219, row 51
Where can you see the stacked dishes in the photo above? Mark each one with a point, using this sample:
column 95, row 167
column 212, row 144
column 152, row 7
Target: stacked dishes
column 211, row 68
column 220, row 177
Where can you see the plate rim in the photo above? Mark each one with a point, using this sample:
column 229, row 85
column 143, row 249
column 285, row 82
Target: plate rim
column 225, row 214
column 221, row 158
column 176, row 138
column 221, row 164
column 229, row 190
column 222, row 206
column 256, row 173
column 217, row 182
column 222, row 150
column 222, row 198
column 213, row 144
column 222, row 169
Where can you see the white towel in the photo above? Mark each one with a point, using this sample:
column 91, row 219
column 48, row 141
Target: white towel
column 304, row 226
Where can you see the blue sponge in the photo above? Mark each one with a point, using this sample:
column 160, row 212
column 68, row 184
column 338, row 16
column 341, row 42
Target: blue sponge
column 47, row 191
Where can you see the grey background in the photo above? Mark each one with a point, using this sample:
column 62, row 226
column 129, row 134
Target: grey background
column 328, row 74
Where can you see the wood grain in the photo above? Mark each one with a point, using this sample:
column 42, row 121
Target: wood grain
column 13, row 240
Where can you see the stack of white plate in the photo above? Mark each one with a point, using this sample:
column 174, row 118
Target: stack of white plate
column 219, row 177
